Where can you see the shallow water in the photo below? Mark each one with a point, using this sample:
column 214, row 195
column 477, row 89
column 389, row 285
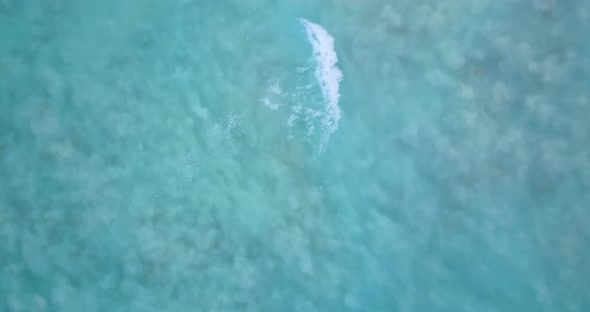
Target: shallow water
column 294, row 155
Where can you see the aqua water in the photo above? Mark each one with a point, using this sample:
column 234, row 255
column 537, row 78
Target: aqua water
column 294, row 155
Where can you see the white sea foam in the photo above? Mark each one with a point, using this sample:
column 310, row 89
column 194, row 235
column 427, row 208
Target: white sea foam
column 300, row 70
column 276, row 89
column 326, row 72
column 270, row 100
column 268, row 103
column 294, row 115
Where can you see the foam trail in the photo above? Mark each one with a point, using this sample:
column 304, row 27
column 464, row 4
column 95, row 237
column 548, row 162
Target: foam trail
column 326, row 72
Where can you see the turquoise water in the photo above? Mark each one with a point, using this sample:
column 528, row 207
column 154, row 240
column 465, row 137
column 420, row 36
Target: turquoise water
column 294, row 155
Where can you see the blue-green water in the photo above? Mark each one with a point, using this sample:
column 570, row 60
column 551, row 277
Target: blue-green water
column 213, row 156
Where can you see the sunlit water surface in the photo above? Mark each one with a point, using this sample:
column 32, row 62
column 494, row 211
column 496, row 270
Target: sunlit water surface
column 294, row 155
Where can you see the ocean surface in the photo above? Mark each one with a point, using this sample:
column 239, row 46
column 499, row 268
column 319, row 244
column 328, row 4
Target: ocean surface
column 260, row 155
